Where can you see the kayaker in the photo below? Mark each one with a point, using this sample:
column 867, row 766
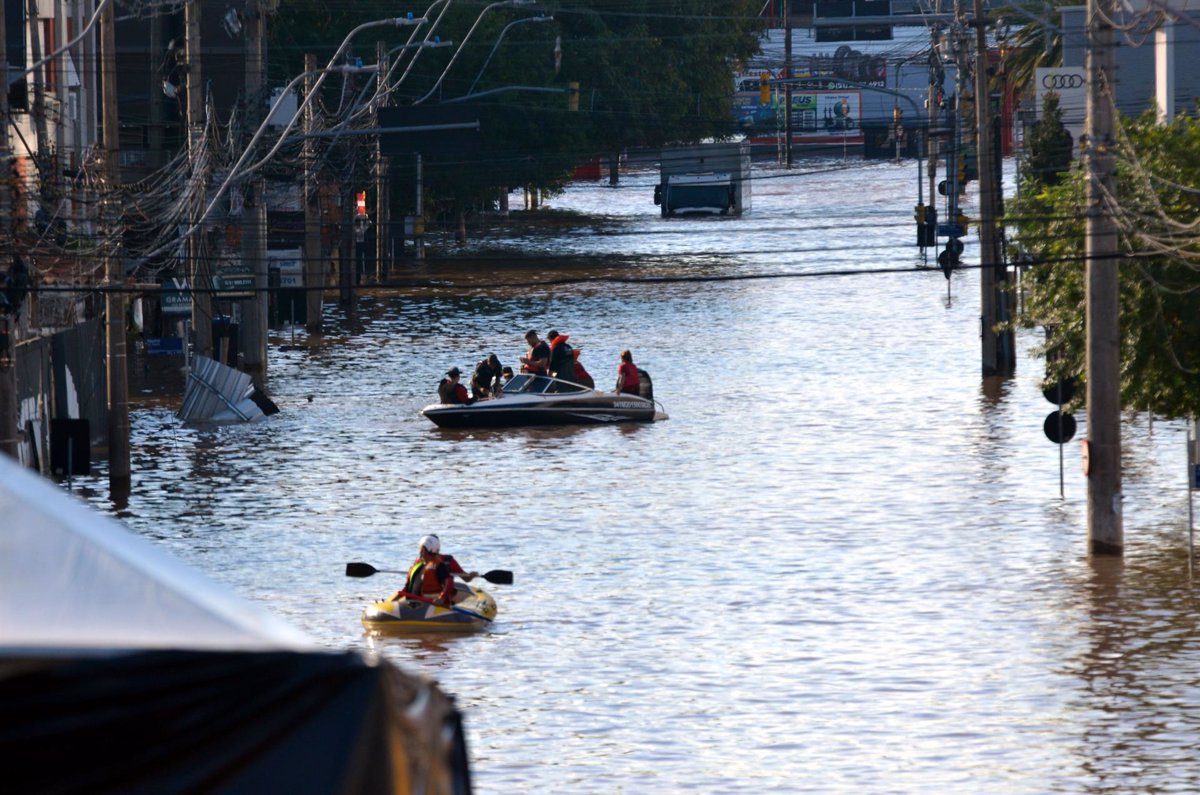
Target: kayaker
column 431, row 575
column 537, row 360
column 627, row 375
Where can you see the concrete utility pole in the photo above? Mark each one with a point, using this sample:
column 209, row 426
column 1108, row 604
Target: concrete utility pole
column 383, row 222
column 314, row 258
column 254, row 214
column 998, row 355
column 787, row 87
column 1105, row 533
column 198, row 273
column 114, row 272
column 8, row 322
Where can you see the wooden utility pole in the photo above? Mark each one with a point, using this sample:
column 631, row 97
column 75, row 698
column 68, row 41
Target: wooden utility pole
column 314, row 257
column 787, row 87
column 1105, row 532
column 8, row 322
column 198, row 273
column 383, row 216
column 114, row 272
column 998, row 355
column 254, row 213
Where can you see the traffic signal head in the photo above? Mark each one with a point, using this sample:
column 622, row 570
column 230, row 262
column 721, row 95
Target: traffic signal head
column 764, row 88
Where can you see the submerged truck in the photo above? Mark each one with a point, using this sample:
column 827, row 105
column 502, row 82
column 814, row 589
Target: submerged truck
column 705, row 179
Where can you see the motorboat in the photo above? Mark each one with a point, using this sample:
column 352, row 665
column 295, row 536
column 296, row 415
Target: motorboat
column 473, row 609
column 530, row 399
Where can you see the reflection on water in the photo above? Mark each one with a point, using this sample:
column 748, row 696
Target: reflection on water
column 842, row 565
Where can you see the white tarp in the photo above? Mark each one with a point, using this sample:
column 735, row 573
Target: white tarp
column 72, row 579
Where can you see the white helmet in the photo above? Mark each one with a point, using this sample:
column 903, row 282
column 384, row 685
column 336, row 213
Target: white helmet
column 431, row 543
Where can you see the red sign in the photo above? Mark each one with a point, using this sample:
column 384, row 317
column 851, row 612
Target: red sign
column 360, row 204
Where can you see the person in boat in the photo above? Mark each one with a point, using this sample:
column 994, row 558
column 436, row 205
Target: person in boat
column 537, row 360
column 451, row 391
column 628, row 381
column 431, row 576
column 485, row 381
column 506, row 375
column 562, row 356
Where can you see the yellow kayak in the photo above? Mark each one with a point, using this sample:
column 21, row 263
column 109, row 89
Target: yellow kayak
column 473, row 609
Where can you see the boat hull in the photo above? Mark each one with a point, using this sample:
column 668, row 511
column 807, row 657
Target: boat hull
column 500, row 416
column 412, row 617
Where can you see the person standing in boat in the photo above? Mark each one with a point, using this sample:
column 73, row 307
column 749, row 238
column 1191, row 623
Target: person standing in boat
column 537, row 360
column 451, row 391
column 485, row 381
column 628, row 381
column 431, row 576
column 562, row 356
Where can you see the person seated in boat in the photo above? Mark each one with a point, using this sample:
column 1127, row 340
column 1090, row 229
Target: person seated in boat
column 451, row 391
column 485, row 381
column 506, row 375
column 537, row 360
column 431, row 576
column 628, row 381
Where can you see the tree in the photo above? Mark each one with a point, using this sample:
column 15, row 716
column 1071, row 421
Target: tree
column 1159, row 220
column 1050, row 146
column 649, row 74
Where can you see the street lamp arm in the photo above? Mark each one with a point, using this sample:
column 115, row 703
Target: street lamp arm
column 466, row 38
column 499, row 39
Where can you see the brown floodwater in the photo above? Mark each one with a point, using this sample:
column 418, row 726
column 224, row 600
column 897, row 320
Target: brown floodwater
column 842, row 565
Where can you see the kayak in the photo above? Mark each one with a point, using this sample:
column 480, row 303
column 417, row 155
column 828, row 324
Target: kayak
column 474, row 609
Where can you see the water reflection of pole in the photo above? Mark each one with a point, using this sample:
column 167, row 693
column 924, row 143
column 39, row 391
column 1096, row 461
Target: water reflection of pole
column 1192, row 445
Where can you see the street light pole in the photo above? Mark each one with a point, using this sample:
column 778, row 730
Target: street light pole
column 496, row 46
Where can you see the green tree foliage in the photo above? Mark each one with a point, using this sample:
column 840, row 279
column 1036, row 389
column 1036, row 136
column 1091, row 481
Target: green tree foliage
column 650, row 73
column 1050, row 146
column 1159, row 220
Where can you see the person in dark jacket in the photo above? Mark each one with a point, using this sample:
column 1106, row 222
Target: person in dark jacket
column 485, row 381
column 562, row 357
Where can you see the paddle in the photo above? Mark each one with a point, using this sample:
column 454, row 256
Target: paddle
column 497, row 576
column 463, row 610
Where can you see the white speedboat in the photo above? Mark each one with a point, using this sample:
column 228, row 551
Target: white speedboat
column 542, row 400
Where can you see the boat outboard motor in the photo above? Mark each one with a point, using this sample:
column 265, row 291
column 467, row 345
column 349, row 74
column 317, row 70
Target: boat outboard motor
column 645, row 386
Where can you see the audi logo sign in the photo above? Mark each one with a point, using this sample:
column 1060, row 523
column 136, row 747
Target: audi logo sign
column 1061, row 81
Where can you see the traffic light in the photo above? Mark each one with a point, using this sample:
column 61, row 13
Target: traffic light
column 764, row 88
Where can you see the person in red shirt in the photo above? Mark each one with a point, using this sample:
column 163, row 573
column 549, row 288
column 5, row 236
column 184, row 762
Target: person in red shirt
column 431, row 576
column 627, row 375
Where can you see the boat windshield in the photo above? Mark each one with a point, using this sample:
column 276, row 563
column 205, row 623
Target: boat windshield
column 528, row 384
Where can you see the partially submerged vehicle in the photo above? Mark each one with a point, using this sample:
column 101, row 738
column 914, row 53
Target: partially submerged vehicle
column 542, row 400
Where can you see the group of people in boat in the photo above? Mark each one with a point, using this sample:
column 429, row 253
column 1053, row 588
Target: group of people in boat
column 553, row 356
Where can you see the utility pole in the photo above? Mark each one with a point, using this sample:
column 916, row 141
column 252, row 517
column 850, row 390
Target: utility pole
column 254, row 218
column 787, row 87
column 314, row 258
column 998, row 355
column 8, row 321
column 114, row 272
column 383, row 217
column 198, row 273
column 1105, row 532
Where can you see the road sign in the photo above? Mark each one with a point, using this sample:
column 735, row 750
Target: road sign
column 1059, row 427
column 1060, row 392
column 233, row 281
column 175, row 297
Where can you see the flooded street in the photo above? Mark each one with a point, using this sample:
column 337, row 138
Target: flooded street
column 842, row 565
